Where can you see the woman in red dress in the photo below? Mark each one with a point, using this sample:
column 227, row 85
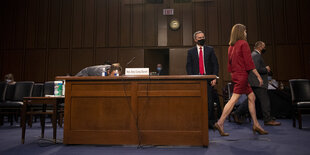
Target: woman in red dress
column 240, row 63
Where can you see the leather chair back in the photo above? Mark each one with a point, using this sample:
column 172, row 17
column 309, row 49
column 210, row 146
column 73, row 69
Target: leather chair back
column 3, row 86
column 23, row 89
column 49, row 88
column 300, row 89
column 9, row 93
column 38, row 90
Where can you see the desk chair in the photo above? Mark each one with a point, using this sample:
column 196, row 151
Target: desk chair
column 13, row 104
column 3, row 86
column 300, row 91
column 36, row 92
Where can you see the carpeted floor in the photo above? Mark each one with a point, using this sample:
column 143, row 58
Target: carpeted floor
column 282, row 140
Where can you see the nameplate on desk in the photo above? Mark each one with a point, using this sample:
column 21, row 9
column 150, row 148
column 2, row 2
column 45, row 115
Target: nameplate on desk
column 137, row 71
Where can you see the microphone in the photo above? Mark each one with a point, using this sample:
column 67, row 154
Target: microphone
column 129, row 62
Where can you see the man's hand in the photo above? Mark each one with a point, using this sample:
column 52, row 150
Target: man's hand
column 213, row 82
column 260, row 81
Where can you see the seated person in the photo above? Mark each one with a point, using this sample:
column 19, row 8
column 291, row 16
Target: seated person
column 116, row 69
column 95, row 70
column 9, row 79
column 160, row 70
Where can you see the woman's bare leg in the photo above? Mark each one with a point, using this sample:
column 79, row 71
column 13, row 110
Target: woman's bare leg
column 228, row 108
column 251, row 104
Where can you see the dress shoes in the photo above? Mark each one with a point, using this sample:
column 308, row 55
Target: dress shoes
column 272, row 123
column 259, row 131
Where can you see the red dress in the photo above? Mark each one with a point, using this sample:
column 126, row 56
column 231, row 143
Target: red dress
column 240, row 62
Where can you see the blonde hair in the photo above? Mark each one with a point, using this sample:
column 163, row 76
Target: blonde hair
column 237, row 33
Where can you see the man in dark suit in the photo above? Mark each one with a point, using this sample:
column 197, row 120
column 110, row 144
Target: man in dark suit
column 261, row 91
column 201, row 60
column 161, row 70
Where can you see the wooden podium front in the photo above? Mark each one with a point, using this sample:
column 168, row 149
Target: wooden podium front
column 133, row 110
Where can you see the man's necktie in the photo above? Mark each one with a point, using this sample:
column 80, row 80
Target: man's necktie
column 201, row 69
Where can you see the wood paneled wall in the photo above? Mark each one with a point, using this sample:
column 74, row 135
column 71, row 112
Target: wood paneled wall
column 41, row 39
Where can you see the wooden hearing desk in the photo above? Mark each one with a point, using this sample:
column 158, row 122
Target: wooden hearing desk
column 134, row 110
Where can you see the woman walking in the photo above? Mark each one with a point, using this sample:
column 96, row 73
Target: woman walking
column 240, row 63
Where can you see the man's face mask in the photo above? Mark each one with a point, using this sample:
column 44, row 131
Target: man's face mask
column 159, row 69
column 264, row 51
column 201, row 42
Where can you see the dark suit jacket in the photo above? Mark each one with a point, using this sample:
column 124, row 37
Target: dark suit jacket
column 93, row 70
column 162, row 72
column 261, row 69
column 210, row 61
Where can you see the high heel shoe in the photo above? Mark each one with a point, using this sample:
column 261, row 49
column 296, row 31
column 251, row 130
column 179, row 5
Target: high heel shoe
column 221, row 131
column 259, row 130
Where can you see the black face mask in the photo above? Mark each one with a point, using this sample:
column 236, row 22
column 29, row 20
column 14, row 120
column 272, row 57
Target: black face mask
column 201, row 42
column 263, row 51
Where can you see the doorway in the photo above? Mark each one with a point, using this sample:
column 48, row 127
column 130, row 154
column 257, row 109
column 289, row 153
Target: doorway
column 152, row 57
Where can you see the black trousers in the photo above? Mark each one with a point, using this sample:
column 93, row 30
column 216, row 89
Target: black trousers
column 210, row 105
